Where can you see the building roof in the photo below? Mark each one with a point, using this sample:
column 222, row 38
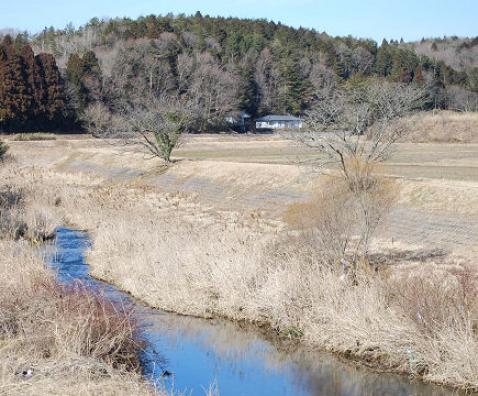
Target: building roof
column 277, row 118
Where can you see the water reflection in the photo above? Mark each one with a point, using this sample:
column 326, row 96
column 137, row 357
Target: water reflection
column 189, row 354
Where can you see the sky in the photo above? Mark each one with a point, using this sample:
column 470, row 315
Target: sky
column 376, row 19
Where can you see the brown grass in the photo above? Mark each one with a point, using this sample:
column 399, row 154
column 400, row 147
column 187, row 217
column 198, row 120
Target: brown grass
column 35, row 136
column 56, row 340
column 175, row 254
column 191, row 261
column 443, row 127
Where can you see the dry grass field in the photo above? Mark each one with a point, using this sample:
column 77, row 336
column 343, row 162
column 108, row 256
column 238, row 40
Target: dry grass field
column 209, row 237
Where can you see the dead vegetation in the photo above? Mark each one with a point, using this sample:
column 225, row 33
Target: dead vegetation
column 36, row 136
column 55, row 340
column 199, row 261
column 204, row 264
column 442, row 127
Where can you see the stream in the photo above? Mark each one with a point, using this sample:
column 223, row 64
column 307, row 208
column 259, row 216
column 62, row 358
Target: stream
column 190, row 355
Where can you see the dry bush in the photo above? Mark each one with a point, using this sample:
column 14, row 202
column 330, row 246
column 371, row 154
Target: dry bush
column 55, row 340
column 336, row 226
column 325, row 224
column 441, row 302
column 12, row 225
column 442, row 127
column 72, row 340
column 19, row 219
column 3, row 151
column 36, row 136
column 437, row 298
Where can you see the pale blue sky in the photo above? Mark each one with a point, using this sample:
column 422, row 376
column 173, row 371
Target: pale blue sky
column 410, row 19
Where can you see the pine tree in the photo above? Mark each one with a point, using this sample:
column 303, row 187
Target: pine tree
column 54, row 98
column 292, row 89
column 15, row 94
column 384, row 63
column 248, row 90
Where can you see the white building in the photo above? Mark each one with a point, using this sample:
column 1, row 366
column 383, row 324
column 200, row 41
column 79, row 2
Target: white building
column 279, row 122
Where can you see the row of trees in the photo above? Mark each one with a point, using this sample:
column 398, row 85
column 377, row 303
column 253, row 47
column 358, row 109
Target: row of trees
column 275, row 68
column 217, row 66
column 31, row 89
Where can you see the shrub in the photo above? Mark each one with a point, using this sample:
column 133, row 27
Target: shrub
column 38, row 136
column 12, row 225
column 3, row 150
column 436, row 298
column 337, row 224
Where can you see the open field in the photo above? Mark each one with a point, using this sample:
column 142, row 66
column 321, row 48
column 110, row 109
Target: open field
column 439, row 182
column 208, row 237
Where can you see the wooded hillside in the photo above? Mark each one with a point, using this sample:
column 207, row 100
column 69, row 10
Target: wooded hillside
column 224, row 65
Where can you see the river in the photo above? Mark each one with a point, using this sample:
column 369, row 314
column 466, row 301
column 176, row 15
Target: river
column 190, row 355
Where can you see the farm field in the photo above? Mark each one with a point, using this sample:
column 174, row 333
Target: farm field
column 439, row 182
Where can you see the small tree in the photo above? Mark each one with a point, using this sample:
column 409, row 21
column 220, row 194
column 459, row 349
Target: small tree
column 359, row 121
column 362, row 124
column 98, row 120
column 158, row 126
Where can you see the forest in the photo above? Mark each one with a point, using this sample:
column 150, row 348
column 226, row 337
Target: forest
column 213, row 66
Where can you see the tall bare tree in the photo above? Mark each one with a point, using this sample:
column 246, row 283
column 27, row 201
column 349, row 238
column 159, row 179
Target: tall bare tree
column 358, row 122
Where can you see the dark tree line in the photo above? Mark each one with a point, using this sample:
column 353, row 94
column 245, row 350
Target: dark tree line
column 32, row 95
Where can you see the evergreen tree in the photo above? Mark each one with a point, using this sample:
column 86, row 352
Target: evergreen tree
column 84, row 78
column 31, row 89
column 15, row 93
column 384, row 62
column 53, row 88
column 248, row 90
column 292, row 87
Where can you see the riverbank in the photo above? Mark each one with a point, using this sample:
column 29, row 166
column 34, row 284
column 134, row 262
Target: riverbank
column 55, row 340
column 176, row 253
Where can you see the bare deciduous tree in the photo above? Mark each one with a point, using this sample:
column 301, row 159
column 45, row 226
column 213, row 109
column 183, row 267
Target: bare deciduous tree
column 359, row 121
column 267, row 78
column 362, row 136
column 97, row 119
column 460, row 99
column 158, row 126
column 212, row 92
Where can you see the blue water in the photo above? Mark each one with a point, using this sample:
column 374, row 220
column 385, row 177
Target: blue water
column 190, row 355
